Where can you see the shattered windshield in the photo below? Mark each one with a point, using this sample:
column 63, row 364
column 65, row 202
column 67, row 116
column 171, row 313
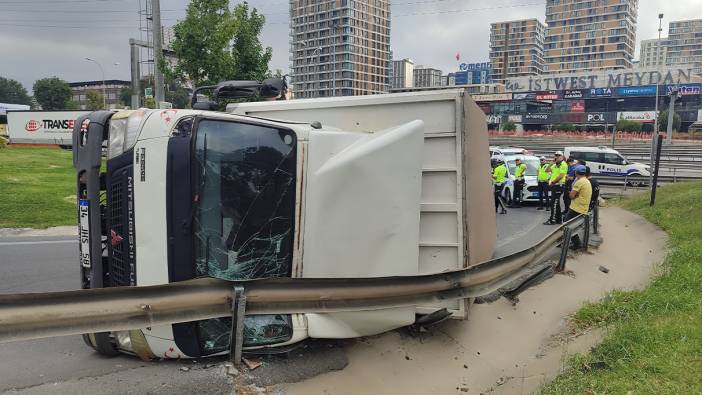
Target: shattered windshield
column 244, row 216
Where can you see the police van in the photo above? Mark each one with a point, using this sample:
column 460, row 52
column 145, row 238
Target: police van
column 607, row 161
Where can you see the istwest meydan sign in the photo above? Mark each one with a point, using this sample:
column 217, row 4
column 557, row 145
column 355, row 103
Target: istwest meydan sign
column 605, row 79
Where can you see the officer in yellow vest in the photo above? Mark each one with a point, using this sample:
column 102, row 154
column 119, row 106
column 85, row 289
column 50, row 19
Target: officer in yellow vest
column 542, row 177
column 519, row 172
column 499, row 177
column 559, row 171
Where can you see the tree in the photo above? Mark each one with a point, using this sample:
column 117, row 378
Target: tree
column 95, row 100
column 214, row 44
column 509, row 126
column 12, row 92
column 250, row 59
column 201, row 43
column 663, row 121
column 177, row 95
column 125, row 96
column 72, row 105
column 52, row 93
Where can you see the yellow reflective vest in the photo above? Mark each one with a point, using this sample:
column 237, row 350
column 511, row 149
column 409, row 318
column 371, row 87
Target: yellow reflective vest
column 499, row 173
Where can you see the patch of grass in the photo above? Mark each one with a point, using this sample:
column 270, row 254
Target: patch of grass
column 37, row 187
column 654, row 344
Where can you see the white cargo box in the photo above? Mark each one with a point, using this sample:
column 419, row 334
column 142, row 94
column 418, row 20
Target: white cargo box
column 457, row 221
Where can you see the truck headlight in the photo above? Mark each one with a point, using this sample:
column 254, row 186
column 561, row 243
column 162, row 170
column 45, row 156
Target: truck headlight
column 124, row 340
column 123, row 131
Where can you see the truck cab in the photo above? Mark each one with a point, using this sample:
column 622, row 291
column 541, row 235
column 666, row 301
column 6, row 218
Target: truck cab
column 171, row 195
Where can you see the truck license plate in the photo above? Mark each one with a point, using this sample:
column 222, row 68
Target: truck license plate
column 84, row 216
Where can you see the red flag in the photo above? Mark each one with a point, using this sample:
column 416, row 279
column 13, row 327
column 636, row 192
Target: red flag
column 458, row 56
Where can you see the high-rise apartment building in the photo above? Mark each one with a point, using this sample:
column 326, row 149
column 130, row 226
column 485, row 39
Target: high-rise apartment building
column 340, row 47
column 427, row 77
column 516, row 48
column 653, row 53
column 587, row 35
column 402, row 73
column 684, row 44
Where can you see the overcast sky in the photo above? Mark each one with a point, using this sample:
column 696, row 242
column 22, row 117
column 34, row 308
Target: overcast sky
column 43, row 38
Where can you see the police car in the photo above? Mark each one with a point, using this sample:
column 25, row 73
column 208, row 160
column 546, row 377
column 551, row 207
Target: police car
column 607, row 161
column 530, row 192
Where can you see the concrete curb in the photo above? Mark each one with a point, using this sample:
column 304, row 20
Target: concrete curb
column 71, row 230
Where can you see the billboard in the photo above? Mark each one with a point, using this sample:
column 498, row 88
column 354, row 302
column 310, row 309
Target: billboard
column 577, row 106
column 537, row 118
column 573, row 94
column 462, row 78
column 601, row 92
column 493, row 97
column 42, row 127
column 551, row 95
column 637, row 91
column 685, row 89
column 474, row 66
column 637, row 116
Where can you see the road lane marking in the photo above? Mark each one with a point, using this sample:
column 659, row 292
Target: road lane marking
column 17, row 243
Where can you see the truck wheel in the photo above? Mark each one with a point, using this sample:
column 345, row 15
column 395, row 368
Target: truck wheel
column 104, row 344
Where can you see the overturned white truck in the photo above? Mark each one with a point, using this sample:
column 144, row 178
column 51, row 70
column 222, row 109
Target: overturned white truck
column 376, row 186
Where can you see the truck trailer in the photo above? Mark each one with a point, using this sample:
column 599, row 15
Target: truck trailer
column 348, row 187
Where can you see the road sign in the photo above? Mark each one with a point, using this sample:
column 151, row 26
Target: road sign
column 148, row 93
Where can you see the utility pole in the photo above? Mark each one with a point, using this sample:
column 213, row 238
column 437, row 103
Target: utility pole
column 674, row 95
column 159, row 95
column 134, row 58
column 654, row 135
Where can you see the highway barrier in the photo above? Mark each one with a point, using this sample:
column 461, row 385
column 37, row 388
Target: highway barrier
column 42, row 315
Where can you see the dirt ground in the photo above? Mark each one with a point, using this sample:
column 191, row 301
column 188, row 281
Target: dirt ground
column 501, row 348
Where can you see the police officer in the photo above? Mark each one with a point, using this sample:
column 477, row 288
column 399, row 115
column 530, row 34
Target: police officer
column 499, row 176
column 519, row 172
column 567, row 187
column 542, row 178
column 559, row 170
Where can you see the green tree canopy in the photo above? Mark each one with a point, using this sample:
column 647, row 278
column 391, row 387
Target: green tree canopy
column 12, row 92
column 214, row 44
column 52, row 93
column 125, row 96
column 628, row 126
column 95, row 100
column 249, row 58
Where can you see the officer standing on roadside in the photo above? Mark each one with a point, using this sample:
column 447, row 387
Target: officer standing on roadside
column 559, row 170
column 519, row 171
column 542, row 178
column 499, row 175
column 570, row 178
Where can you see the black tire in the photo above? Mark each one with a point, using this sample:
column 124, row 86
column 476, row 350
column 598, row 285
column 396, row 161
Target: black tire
column 105, row 345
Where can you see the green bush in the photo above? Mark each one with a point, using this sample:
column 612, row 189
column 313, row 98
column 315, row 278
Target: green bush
column 564, row 127
column 628, row 126
column 509, row 126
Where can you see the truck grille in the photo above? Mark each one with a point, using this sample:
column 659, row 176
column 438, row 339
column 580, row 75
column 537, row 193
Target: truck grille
column 120, row 239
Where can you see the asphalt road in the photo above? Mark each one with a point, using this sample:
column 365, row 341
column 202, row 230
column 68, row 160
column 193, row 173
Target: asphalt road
column 67, row 365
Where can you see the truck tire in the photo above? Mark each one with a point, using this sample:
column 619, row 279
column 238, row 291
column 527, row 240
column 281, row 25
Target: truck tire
column 104, row 344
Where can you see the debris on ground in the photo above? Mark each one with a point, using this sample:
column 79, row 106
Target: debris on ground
column 251, row 363
column 603, row 269
column 184, row 369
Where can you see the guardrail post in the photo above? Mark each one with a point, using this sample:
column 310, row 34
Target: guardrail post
column 596, row 219
column 586, row 231
column 565, row 245
column 236, row 340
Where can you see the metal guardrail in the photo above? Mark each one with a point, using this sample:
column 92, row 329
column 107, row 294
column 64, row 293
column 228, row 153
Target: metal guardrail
column 41, row 315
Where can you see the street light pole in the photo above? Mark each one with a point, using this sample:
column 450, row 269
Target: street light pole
column 104, row 87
